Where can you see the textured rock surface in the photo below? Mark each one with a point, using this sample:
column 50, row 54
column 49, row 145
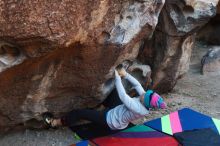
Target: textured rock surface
column 218, row 8
column 210, row 33
column 211, row 62
column 170, row 48
column 59, row 55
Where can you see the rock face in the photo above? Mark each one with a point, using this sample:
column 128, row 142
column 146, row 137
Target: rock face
column 211, row 62
column 60, row 55
column 170, row 47
column 210, row 33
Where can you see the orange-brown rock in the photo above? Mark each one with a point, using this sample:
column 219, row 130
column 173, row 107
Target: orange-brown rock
column 58, row 55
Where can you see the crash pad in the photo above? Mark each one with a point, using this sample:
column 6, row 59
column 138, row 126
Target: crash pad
column 183, row 120
column 139, row 135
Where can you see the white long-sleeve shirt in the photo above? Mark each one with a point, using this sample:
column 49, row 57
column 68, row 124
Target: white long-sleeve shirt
column 131, row 109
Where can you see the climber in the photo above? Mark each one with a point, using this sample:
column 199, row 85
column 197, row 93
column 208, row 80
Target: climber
column 118, row 117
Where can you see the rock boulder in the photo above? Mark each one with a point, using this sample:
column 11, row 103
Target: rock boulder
column 210, row 32
column 169, row 49
column 211, row 62
column 59, row 55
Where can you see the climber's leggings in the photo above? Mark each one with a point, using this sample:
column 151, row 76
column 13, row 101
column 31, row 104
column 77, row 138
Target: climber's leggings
column 96, row 117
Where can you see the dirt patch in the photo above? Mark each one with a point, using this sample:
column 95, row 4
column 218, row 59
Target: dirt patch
column 60, row 137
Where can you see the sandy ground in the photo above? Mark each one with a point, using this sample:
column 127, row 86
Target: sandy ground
column 199, row 92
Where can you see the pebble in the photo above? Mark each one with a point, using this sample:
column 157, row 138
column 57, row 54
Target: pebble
column 53, row 144
column 214, row 94
column 179, row 103
column 163, row 112
column 173, row 104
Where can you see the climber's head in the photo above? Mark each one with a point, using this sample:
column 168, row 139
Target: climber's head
column 153, row 100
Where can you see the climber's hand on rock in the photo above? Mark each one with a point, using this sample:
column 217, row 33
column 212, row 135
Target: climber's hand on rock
column 121, row 72
column 116, row 73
